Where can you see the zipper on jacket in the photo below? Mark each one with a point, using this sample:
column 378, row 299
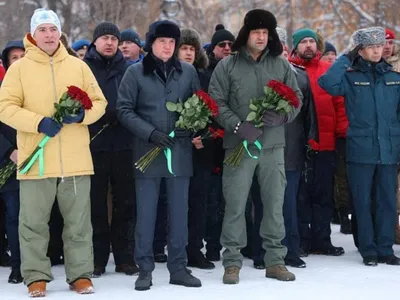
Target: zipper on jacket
column 56, row 101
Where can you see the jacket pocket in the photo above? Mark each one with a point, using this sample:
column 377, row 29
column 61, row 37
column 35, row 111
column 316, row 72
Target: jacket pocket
column 360, row 142
column 395, row 139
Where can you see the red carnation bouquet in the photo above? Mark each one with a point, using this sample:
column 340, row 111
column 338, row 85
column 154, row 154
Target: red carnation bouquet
column 277, row 97
column 194, row 115
column 71, row 103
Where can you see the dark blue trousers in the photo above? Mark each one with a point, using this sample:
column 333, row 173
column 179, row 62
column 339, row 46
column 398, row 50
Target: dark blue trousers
column 292, row 238
column 147, row 196
column 11, row 199
column 374, row 239
column 161, row 231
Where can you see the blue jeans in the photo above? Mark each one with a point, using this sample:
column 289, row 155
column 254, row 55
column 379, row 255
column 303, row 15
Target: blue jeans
column 292, row 237
column 11, row 199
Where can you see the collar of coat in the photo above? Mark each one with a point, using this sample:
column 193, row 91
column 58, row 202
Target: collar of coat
column 150, row 64
column 33, row 52
column 365, row 66
column 295, row 59
column 117, row 60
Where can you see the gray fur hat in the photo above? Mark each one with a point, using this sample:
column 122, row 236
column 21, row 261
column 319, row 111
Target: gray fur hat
column 282, row 35
column 370, row 36
column 191, row 37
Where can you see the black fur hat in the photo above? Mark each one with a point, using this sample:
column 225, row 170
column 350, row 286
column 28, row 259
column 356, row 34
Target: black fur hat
column 163, row 28
column 259, row 19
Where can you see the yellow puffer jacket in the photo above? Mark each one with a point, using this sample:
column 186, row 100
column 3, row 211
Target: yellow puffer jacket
column 30, row 88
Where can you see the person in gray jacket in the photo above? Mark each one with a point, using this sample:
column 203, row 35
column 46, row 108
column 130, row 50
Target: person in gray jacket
column 234, row 82
column 144, row 90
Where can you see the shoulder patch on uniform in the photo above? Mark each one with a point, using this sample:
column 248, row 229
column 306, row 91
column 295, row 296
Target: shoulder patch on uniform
column 363, row 83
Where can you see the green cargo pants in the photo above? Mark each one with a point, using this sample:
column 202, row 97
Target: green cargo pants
column 269, row 169
column 37, row 198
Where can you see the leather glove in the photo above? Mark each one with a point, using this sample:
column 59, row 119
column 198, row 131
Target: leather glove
column 161, row 139
column 183, row 133
column 74, row 119
column 249, row 132
column 353, row 54
column 273, row 119
column 49, row 127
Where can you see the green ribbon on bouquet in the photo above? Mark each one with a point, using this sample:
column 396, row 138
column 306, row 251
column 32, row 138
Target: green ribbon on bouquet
column 168, row 155
column 256, row 143
column 38, row 155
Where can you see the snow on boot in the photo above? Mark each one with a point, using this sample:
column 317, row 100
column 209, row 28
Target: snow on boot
column 37, row 289
column 82, row 286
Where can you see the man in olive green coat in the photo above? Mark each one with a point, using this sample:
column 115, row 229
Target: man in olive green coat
column 234, row 82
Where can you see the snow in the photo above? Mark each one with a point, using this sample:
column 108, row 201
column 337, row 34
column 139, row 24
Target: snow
column 324, row 278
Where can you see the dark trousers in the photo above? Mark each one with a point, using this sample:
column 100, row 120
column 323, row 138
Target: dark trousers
column 56, row 244
column 375, row 238
column 161, row 231
column 11, row 200
column 292, row 237
column 114, row 168
column 315, row 200
column 147, row 196
column 205, row 210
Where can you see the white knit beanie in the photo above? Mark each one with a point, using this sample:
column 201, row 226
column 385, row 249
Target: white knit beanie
column 44, row 16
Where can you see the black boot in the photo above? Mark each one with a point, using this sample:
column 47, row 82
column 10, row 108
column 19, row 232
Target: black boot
column 370, row 261
column 185, row 278
column 258, row 263
column 199, row 261
column 98, row 272
column 328, row 250
column 144, row 281
column 295, row 262
column 389, row 260
column 128, row 269
column 345, row 223
column 160, row 257
column 15, row 276
column 213, row 255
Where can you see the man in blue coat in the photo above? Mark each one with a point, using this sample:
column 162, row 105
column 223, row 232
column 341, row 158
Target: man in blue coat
column 372, row 96
column 144, row 90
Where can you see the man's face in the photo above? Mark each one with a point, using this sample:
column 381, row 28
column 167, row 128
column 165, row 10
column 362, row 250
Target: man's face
column 107, row 45
column 329, row 57
column 47, row 38
column 307, row 49
column 258, row 40
column 14, row 55
column 130, row 50
column 81, row 53
column 388, row 49
column 372, row 53
column 163, row 48
column 222, row 49
column 187, row 53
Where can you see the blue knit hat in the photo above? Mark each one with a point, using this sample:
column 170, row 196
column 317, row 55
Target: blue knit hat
column 80, row 44
column 329, row 48
column 301, row 34
column 130, row 35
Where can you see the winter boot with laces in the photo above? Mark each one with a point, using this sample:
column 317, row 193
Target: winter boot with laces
column 279, row 272
column 144, row 281
column 231, row 275
column 82, row 286
column 185, row 278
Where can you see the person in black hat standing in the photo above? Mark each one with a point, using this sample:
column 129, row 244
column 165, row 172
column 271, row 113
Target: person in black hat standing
column 144, row 90
column 130, row 46
column 234, row 82
column 112, row 159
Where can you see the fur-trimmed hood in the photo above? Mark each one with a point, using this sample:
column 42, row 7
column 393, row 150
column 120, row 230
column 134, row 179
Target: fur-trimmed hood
column 394, row 60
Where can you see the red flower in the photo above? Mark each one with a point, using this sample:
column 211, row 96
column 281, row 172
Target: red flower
column 208, row 101
column 80, row 95
column 285, row 92
column 216, row 170
column 215, row 134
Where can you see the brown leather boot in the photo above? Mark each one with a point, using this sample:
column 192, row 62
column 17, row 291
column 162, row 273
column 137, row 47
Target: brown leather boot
column 279, row 272
column 397, row 241
column 37, row 289
column 82, row 286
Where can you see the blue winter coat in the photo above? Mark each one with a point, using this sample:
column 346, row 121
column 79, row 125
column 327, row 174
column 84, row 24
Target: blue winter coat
column 141, row 109
column 108, row 74
column 372, row 97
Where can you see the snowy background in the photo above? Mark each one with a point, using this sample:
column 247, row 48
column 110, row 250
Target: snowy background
column 324, row 278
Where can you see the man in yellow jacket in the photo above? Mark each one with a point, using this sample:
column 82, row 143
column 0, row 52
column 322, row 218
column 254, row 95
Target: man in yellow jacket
column 27, row 96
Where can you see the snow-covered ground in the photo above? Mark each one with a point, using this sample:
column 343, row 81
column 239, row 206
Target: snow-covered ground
column 324, row 278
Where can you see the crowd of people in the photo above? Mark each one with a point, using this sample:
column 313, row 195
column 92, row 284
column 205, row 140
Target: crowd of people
column 334, row 155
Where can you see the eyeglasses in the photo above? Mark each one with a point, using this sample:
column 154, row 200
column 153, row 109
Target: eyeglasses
column 223, row 44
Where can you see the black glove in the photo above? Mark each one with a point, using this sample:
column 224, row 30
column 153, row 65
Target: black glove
column 161, row 139
column 249, row 132
column 353, row 54
column 272, row 119
column 183, row 133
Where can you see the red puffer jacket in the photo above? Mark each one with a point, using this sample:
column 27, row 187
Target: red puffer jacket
column 331, row 114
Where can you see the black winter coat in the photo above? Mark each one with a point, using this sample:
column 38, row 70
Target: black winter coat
column 303, row 128
column 108, row 73
column 141, row 109
column 8, row 143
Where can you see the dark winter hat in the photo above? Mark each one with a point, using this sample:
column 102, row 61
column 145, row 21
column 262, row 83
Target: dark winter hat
column 19, row 44
column 220, row 35
column 130, row 35
column 80, row 44
column 159, row 29
column 303, row 33
column 190, row 37
column 105, row 28
column 370, row 36
column 259, row 19
column 329, row 48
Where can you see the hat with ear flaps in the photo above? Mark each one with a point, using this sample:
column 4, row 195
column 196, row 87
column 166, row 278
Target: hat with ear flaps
column 259, row 19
